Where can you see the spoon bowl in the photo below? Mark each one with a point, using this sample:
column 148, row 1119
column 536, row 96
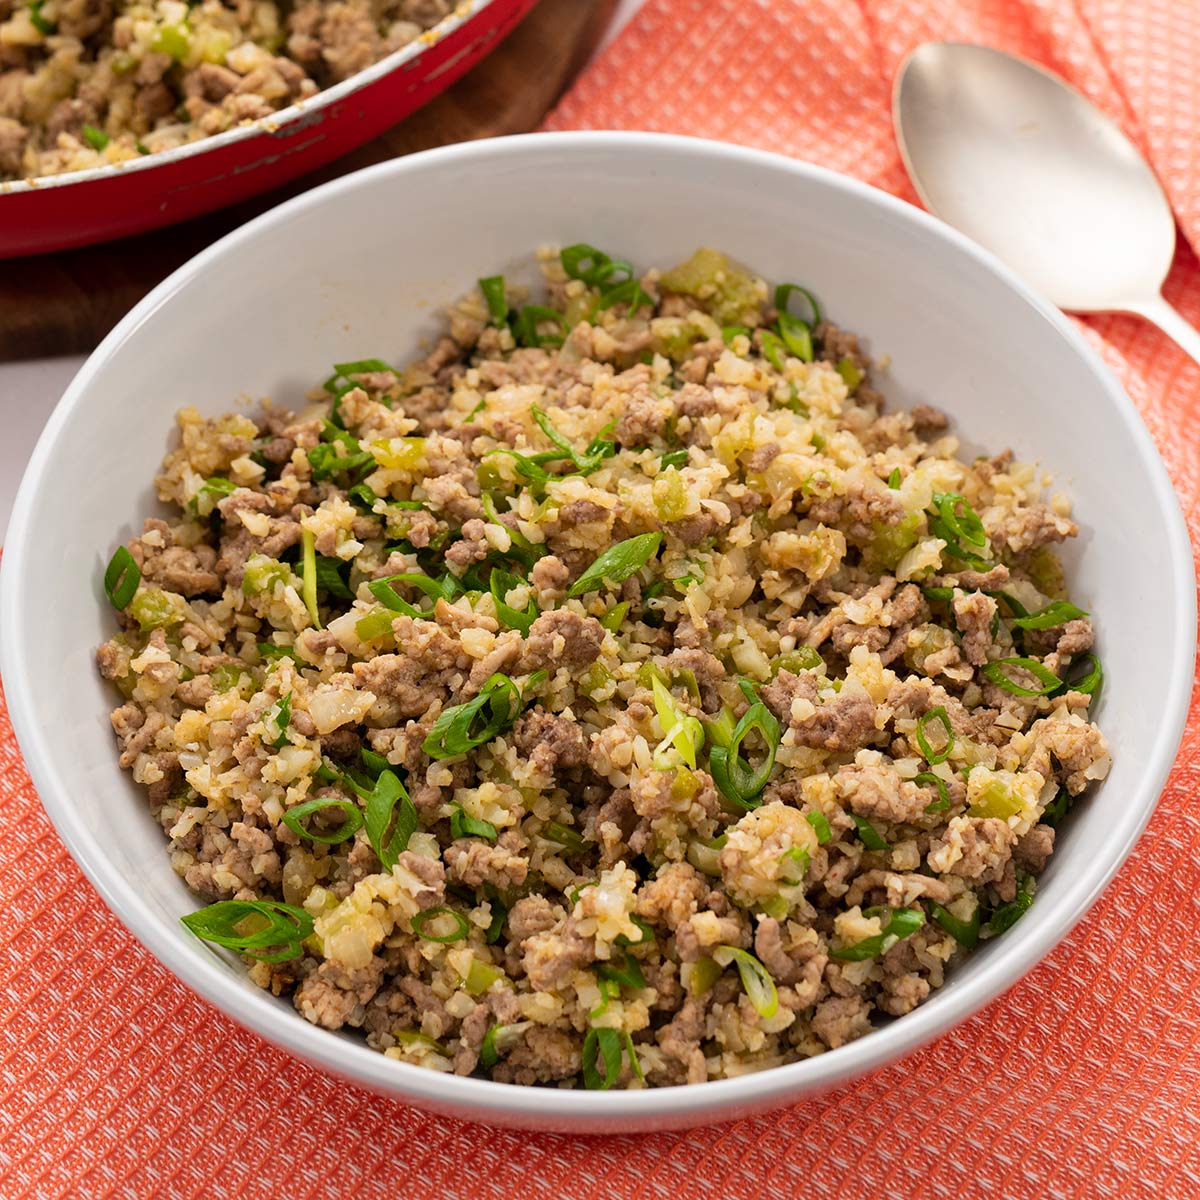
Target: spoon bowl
column 1005, row 151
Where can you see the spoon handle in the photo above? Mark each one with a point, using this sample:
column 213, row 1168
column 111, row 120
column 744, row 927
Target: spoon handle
column 1167, row 318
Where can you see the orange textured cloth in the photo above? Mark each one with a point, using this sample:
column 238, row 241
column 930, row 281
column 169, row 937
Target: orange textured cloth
column 1083, row 1081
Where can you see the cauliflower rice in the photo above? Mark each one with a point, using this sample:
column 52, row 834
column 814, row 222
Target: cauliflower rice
column 617, row 696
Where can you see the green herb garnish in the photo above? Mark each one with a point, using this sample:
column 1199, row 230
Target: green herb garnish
column 224, row 924
column 965, row 933
column 461, row 926
column 96, row 138
column 901, row 923
column 1058, row 612
column 462, row 727
column 1000, row 673
column 121, row 578
column 294, row 818
column 756, row 979
column 933, row 757
column 820, row 824
column 737, row 781
column 870, row 837
column 463, row 825
column 617, row 563
column 927, row 778
column 276, row 721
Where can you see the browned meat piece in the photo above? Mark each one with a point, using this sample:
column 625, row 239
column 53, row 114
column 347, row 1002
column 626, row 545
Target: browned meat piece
column 673, row 895
column 550, row 957
column 974, row 613
column 879, row 793
column 550, row 742
column 1034, row 849
column 474, row 547
column 332, row 996
column 841, row 1019
column 476, row 862
column 976, row 848
column 562, row 639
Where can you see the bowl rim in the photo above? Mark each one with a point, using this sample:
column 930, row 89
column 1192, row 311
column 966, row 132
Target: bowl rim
column 514, row 1104
column 304, row 112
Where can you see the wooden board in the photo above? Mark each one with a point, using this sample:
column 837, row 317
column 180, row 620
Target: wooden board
column 65, row 303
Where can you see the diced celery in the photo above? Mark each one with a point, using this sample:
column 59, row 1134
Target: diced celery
column 173, row 40
column 481, row 976
column 225, row 676
column 803, row 658
column 374, row 625
column 399, row 453
column 722, row 289
column 995, row 799
column 670, row 495
column 262, row 574
column 889, row 543
column 152, row 608
column 703, row 974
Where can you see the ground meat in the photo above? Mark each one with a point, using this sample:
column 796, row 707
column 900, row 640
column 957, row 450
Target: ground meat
column 691, row 531
column 845, row 723
column 974, row 613
column 1070, row 750
column 841, row 1019
column 550, row 957
column 927, row 421
column 549, row 742
column 188, row 571
column 881, row 794
column 406, row 685
column 563, row 639
column 550, row 578
column 541, row 1056
column 12, row 145
column 1030, row 526
column 475, row 862
column 680, row 1039
column 474, row 547
column 975, row 848
column 332, row 996
column 1034, row 849
column 902, row 993
column 672, row 896
column 530, row 915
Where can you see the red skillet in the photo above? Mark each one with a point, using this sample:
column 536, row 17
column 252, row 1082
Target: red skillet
column 56, row 212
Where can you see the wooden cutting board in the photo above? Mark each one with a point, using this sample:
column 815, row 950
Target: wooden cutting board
column 65, row 303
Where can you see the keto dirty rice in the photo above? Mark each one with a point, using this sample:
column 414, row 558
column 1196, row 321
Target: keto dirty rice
column 617, row 696
column 87, row 83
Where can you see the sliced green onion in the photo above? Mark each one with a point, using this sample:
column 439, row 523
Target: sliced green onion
column 902, row 923
column 526, row 327
column 820, row 824
column 965, row 933
column 1057, row 809
column 868, row 834
column 463, row 825
column 737, row 781
column 1089, row 685
column 462, row 727
column 772, row 348
column 893, row 480
column 613, row 619
column 647, row 934
column 294, row 818
column 329, row 578
column 563, row 835
column 375, row 764
column 385, row 801
column 803, row 658
column 1058, row 612
column 339, row 383
column 729, row 332
column 276, row 721
column 938, row 593
column 601, row 1045
column 617, row 563
column 493, row 293
column 38, row 21
column 96, row 138
column 214, row 485
column 940, row 756
column 674, row 458
column 575, row 892
column 850, row 371
column 683, row 732
column 628, row 974
column 942, row 803
column 784, row 293
column 999, row 673
column 496, row 926
column 121, row 578
column 481, row 976
column 796, row 862
column 286, row 926
column 593, row 266
column 500, row 583
column 461, row 928
column 628, row 292
column 308, row 547
column 756, row 979
column 1007, row 915
column 796, row 336
column 965, row 525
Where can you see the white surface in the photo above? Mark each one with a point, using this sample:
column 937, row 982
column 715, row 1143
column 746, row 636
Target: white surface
column 319, row 272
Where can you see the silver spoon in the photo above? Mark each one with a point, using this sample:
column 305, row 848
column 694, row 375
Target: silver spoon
column 1009, row 154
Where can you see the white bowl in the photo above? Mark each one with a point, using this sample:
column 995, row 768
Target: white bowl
column 359, row 267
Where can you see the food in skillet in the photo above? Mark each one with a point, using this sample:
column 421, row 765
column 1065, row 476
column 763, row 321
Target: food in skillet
column 617, row 696
column 84, row 83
